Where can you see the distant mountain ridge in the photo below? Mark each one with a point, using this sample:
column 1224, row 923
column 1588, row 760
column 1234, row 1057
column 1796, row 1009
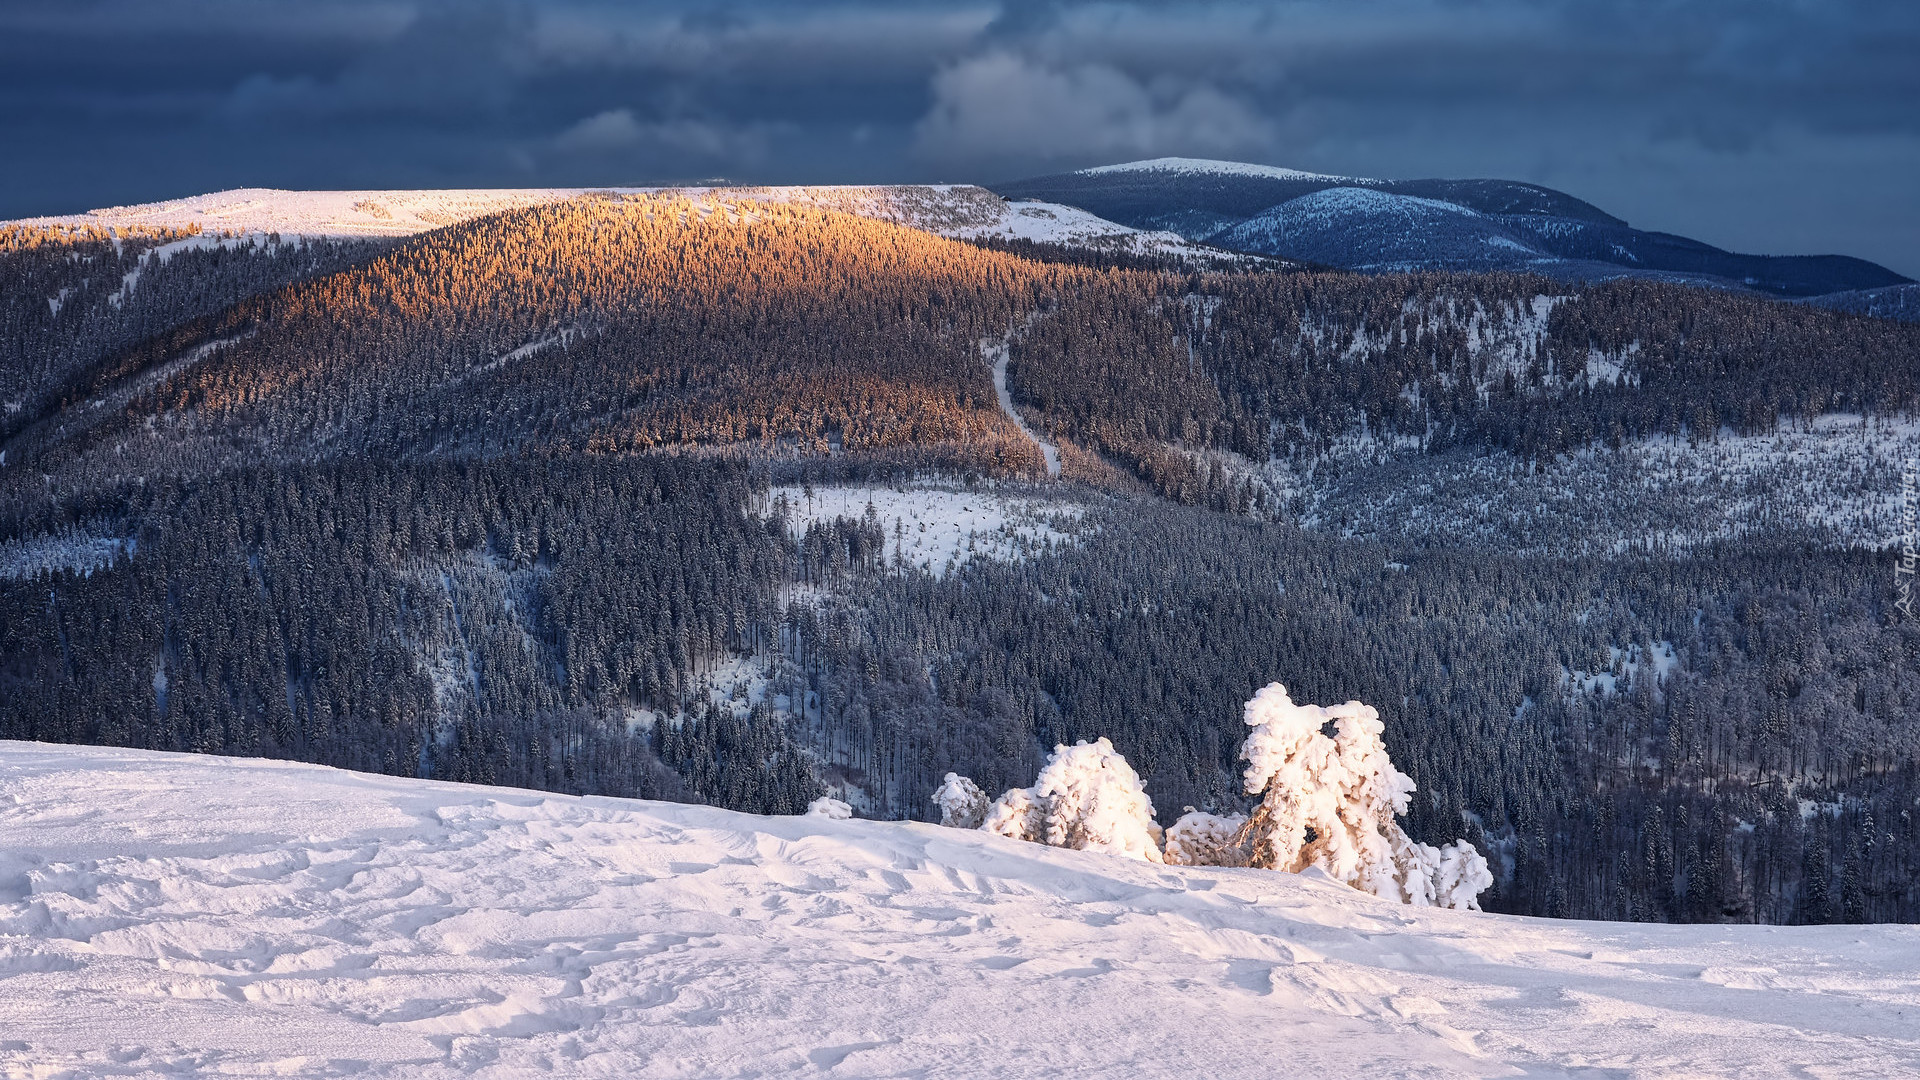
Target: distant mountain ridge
column 1898, row 302
column 1434, row 224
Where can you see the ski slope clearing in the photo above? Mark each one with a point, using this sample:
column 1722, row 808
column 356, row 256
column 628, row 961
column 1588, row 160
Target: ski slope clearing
column 164, row 914
column 937, row 528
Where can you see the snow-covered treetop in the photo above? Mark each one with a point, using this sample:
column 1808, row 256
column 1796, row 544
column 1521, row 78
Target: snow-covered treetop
column 1287, row 747
column 1096, row 802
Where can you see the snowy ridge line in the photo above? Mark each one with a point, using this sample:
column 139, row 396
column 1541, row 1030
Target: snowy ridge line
column 957, row 211
column 1209, row 166
column 369, row 213
column 164, row 914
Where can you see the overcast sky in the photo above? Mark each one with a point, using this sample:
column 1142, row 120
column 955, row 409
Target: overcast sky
column 1759, row 125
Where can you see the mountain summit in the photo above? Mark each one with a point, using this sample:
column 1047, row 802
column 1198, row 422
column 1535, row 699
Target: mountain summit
column 1357, row 223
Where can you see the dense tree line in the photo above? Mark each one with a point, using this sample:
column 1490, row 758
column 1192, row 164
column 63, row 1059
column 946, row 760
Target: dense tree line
column 615, row 324
column 602, row 325
column 477, row 621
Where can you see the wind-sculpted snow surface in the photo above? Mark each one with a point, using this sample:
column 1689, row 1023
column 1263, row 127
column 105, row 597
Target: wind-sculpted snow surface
column 167, row 915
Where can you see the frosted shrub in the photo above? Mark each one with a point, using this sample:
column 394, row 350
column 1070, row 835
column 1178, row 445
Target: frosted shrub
column 827, row 806
column 1202, row 839
column 1095, row 802
column 1087, row 797
column 962, row 804
column 1331, row 803
column 1018, row 814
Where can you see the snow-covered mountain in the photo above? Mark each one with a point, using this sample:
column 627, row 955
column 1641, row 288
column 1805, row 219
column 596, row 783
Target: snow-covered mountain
column 1190, row 167
column 955, row 210
column 1491, row 225
column 170, row 914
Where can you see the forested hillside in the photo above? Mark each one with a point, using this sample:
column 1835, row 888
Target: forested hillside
column 70, row 298
column 521, row 501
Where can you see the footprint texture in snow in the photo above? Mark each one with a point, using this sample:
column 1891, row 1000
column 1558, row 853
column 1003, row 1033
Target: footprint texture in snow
column 166, row 915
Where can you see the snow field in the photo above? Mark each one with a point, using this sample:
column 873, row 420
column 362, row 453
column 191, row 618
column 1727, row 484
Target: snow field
column 1054, row 223
column 170, row 914
column 940, row 527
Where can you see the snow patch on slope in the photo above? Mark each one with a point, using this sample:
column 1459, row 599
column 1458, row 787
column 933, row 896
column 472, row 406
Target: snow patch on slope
column 1624, row 669
column 1054, row 223
column 938, row 528
column 963, row 212
column 1326, row 206
column 167, row 914
column 1836, row 481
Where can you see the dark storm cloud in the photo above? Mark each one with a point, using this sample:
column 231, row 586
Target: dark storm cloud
column 1761, row 125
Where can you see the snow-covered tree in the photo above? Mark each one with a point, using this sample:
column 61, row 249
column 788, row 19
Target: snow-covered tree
column 1018, row 814
column 827, row 806
column 1087, row 797
column 1203, row 839
column 1095, row 802
column 962, row 804
column 1331, row 803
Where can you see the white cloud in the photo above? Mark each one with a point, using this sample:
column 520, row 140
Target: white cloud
column 1003, row 106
